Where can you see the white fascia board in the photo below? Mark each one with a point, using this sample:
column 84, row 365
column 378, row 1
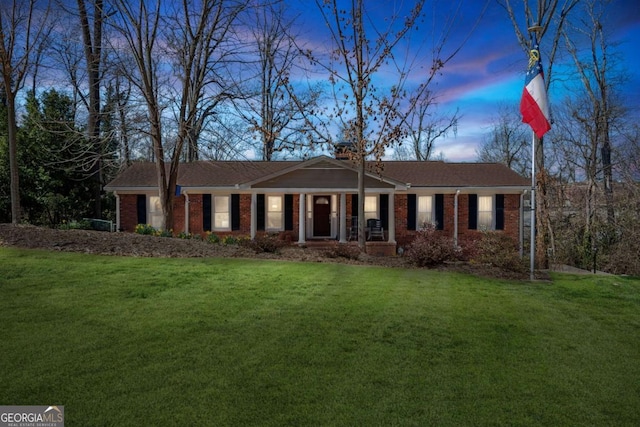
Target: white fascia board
column 510, row 189
column 131, row 190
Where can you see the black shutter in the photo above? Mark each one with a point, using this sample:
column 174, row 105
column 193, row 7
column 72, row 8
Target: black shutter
column 141, row 208
column 235, row 212
column 499, row 211
column 206, row 212
column 288, row 211
column 411, row 212
column 473, row 211
column 439, row 211
column 354, row 205
column 260, row 213
column 384, row 210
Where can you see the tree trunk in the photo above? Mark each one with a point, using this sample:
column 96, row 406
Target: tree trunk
column 361, row 196
column 608, row 178
column 93, row 53
column 545, row 240
column 16, row 210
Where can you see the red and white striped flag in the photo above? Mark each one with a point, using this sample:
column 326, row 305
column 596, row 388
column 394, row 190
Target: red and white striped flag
column 534, row 105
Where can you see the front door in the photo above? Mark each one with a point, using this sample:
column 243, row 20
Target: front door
column 321, row 216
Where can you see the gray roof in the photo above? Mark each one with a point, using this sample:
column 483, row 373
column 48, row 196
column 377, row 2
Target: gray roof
column 331, row 172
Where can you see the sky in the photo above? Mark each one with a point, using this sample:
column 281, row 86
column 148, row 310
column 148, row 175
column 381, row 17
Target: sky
column 490, row 67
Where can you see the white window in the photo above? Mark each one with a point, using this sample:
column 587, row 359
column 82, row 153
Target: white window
column 370, row 207
column 221, row 215
column 275, row 213
column 485, row 212
column 155, row 216
column 425, row 210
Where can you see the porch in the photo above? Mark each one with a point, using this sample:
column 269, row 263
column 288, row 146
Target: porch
column 329, row 216
column 373, row 248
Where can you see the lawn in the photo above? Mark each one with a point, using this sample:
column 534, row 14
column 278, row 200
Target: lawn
column 140, row 341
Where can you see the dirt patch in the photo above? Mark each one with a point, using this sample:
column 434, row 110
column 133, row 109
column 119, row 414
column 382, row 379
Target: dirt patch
column 131, row 244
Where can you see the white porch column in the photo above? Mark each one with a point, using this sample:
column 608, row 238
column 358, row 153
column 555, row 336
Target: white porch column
column 392, row 218
column 343, row 218
column 254, row 214
column 115, row 193
column 302, row 218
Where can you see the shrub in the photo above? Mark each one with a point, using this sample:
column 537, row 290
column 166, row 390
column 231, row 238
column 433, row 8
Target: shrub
column 229, row 240
column 270, row 243
column 212, row 238
column 343, row 251
column 164, row 233
column 431, row 248
column 146, row 229
column 499, row 250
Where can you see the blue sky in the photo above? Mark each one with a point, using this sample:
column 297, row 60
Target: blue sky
column 490, row 67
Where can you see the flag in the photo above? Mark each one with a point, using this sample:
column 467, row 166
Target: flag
column 534, row 105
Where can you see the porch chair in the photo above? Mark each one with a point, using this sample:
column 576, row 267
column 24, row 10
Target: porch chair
column 353, row 229
column 374, row 226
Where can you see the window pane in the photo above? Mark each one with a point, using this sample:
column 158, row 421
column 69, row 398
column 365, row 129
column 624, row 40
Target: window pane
column 370, row 207
column 155, row 212
column 221, row 220
column 484, row 220
column 274, row 220
column 425, row 210
column 221, row 204
column 424, row 203
column 274, row 213
column 485, row 212
column 221, row 212
column 274, row 204
column 485, row 204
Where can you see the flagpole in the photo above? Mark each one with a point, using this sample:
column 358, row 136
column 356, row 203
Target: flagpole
column 533, row 29
column 532, row 257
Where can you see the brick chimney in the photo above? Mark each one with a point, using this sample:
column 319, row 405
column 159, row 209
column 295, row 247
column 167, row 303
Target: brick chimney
column 343, row 149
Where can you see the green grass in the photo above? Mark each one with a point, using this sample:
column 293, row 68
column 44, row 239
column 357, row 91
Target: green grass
column 136, row 341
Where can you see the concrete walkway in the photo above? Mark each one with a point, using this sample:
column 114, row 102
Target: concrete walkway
column 562, row 268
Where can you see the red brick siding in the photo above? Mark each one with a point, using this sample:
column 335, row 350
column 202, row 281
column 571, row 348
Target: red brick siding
column 128, row 212
column 511, row 218
column 178, row 214
column 512, row 215
column 129, row 216
column 195, row 214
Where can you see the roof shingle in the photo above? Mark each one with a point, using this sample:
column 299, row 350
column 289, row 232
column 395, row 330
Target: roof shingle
column 231, row 173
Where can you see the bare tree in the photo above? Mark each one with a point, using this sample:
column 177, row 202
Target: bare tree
column 508, row 141
column 372, row 115
column 269, row 106
column 139, row 27
column 591, row 119
column 192, row 41
column 91, row 25
column 200, row 45
column 597, row 75
column 550, row 17
column 425, row 128
column 226, row 137
column 24, row 30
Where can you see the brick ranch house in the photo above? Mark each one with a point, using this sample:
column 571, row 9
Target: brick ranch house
column 245, row 198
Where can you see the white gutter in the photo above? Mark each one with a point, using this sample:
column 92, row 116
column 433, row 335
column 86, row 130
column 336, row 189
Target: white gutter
column 115, row 193
column 186, row 212
column 455, row 218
